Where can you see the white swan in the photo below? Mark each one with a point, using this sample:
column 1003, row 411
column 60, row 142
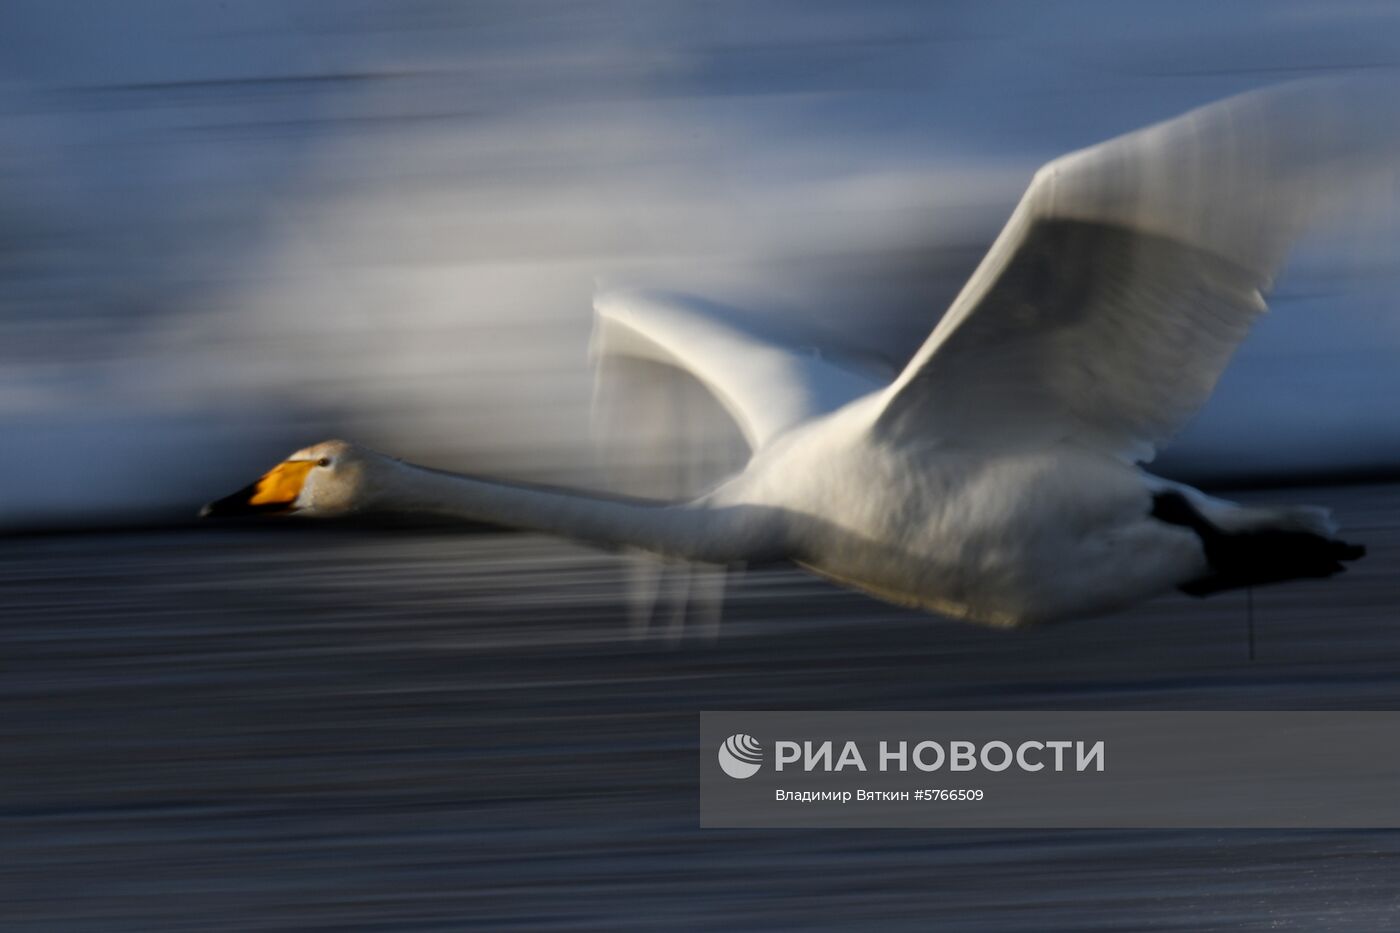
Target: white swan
column 996, row 477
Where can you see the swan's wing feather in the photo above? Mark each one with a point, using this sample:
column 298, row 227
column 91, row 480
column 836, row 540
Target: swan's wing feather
column 1089, row 332
column 660, row 434
column 767, row 386
column 1115, row 296
column 661, row 361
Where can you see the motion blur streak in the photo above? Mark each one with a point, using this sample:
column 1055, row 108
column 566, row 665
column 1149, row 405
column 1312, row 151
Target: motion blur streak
column 228, row 229
column 277, row 728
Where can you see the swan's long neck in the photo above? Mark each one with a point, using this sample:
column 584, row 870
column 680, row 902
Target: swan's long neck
column 692, row 531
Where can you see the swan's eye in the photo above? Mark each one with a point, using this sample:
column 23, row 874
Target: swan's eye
column 324, row 462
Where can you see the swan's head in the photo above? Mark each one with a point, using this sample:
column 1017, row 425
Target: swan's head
column 330, row 478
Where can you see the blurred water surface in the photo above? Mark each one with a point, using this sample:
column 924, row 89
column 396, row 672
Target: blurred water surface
column 309, row 727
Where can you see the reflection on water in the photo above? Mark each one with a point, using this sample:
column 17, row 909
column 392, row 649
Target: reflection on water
column 306, row 727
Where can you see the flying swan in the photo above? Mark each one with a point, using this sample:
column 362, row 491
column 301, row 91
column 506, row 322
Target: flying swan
column 997, row 477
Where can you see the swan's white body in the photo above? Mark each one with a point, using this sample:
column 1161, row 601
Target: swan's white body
column 1015, row 538
column 996, row 477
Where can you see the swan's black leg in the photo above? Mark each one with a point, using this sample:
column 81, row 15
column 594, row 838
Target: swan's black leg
column 1256, row 556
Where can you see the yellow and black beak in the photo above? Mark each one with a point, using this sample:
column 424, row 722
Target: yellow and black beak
column 274, row 494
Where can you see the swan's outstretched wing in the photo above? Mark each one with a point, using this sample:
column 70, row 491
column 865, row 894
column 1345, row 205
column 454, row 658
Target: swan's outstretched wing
column 658, row 433
column 766, row 384
column 661, row 363
column 1114, row 298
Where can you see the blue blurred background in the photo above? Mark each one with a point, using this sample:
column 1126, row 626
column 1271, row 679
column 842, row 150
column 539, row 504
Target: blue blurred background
column 231, row 229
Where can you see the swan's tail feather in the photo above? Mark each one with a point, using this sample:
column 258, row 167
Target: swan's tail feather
column 1264, row 552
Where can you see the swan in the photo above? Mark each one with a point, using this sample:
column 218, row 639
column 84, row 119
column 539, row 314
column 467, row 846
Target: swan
column 999, row 477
